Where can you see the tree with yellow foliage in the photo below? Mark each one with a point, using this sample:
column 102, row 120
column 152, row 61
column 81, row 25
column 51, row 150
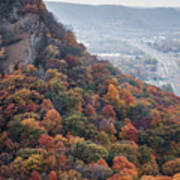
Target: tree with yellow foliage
column 156, row 117
column 50, row 162
column 112, row 94
column 127, row 97
column 34, row 162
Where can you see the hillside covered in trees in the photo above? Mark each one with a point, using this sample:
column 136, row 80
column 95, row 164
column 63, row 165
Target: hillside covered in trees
column 66, row 116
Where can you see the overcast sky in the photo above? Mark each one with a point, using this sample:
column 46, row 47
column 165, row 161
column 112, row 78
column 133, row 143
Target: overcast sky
column 146, row 3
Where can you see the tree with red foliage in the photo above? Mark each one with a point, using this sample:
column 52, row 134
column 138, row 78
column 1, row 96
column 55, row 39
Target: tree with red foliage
column 71, row 60
column 29, row 8
column 35, row 176
column 99, row 71
column 56, row 64
column 6, row 76
column 31, row 107
column 10, row 110
column 108, row 112
column 46, row 141
column 52, row 175
column 62, row 161
column 107, row 126
column 90, row 110
column 129, row 132
column 35, row 7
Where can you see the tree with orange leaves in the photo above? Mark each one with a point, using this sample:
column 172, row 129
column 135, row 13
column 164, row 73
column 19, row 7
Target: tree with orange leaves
column 150, row 168
column 102, row 162
column 121, row 164
column 163, row 178
column 120, row 177
column 176, row 177
column 156, row 178
column 70, row 39
column 47, row 105
column 127, row 96
column 148, row 178
column 52, row 121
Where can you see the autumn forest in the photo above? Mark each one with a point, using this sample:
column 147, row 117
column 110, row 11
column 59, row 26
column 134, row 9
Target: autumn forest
column 64, row 115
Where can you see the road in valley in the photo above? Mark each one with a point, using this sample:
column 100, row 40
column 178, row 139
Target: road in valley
column 168, row 66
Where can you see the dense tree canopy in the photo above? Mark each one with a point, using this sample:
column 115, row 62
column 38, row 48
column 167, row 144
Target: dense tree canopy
column 69, row 116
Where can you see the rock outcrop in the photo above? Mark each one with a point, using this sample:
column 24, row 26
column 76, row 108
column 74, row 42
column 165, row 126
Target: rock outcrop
column 23, row 32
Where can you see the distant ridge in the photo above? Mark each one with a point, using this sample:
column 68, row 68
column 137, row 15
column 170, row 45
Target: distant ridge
column 116, row 17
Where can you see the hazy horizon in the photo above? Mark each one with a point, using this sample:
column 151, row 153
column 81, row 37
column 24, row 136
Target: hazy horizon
column 141, row 3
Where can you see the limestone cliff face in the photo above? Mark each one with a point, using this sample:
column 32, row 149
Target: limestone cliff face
column 29, row 34
column 21, row 32
column 24, row 44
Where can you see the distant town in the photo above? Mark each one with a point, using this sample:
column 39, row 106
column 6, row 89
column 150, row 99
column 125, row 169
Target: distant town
column 136, row 40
